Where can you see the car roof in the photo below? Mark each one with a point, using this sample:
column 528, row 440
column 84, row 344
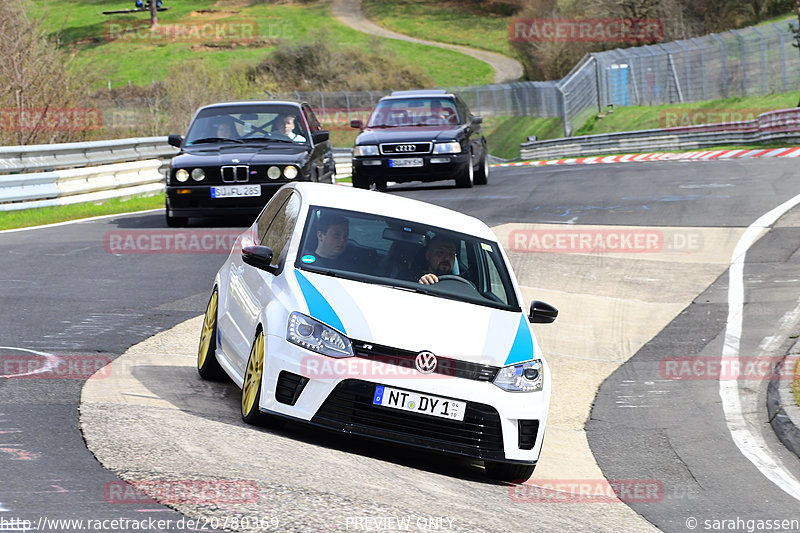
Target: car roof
column 254, row 103
column 381, row 203
column 426, row 93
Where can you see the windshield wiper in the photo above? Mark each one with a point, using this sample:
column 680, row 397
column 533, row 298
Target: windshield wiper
column 216, row 140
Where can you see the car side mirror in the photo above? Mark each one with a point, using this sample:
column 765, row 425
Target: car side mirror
column 357, row 124
column 320, row 136
column 476, row 120
column 175, row 140
column 542, row 313
column 259, row 257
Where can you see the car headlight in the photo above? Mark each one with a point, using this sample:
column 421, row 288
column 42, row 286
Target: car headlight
column 315, row 336
column 367, row 149
column 290, row 172
column 198, row 174
column 447, row 148
column 522, row 377
column 273, row 173
column 181, row 175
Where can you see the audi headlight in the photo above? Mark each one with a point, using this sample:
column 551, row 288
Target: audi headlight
column 315, row 336
column 290, row 172
column 181, row 175
column 522, row 377
column 198, row 174
column 367, row 149
column 447, row 148
column 273, row 173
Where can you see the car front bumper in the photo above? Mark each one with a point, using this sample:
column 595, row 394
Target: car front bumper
column 498, row 425
column 434, row 167
column 196, row 201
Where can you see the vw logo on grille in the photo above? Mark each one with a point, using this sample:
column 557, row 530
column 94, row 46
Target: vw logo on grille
column 406, row 148
column 425, row 362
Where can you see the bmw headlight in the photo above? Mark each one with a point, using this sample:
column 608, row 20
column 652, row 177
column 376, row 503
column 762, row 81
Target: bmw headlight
column 290, row 172
column 315, row 336
column 447, row 148
column 367, row 149
column 273, row 173
column 522, row 377
column 198, row 174
column 181, row 175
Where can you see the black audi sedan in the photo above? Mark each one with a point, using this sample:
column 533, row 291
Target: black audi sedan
column 427, row 135
column 235, row 156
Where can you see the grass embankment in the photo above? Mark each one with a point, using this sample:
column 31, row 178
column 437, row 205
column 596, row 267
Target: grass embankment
column 444, row 22
column 50, row 215
column 87, row 35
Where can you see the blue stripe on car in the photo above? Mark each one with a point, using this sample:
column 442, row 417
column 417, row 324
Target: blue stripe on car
column 318, row 306
column 522, row 349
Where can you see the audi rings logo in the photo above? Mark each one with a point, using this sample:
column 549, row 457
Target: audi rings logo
column 425, row 362
column 406, row 148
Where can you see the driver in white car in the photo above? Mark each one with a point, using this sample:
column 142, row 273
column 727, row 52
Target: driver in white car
column 441, row 256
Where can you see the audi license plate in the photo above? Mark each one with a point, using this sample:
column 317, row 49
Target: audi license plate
column 232, row 191
column 419, row 403
column 404, row 163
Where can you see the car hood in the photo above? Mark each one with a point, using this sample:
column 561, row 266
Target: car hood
column 409, row 134
column 413, row 321
column 210, row 155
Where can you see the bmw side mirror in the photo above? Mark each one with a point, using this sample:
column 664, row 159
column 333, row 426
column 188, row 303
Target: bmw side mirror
column 175, row 140
column 259, row 257
column 542, row 313
column 476, row 120
column 320, row 136
column 357, row 124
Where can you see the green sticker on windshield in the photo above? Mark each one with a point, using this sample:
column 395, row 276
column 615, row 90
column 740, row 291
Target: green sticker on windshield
column 487, row 247
column 308, row 259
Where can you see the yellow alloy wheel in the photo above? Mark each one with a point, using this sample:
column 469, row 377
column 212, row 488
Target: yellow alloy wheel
column 209, row 329
column 252, row 378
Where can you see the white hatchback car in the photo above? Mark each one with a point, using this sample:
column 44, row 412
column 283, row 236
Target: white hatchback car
column 319, row 315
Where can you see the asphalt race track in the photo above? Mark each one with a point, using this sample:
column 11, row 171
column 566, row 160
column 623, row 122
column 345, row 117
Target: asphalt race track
column 69, row 294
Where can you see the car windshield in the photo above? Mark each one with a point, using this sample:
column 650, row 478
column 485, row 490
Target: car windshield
column 388, row 251
column 396, row 112
column 244, row 124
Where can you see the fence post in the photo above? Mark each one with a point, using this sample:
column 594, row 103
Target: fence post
column 783, row 56
column 699, row 44
column 724, row 64
column 763, row 45
column 687, row 69
column 564, row 118
column 744, row 62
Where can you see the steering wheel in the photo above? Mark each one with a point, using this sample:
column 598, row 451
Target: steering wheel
column 457, row 278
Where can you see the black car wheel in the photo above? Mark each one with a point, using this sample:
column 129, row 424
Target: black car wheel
column 510, row 472
column 177, row 222
column 467, row 178
column 482, row 174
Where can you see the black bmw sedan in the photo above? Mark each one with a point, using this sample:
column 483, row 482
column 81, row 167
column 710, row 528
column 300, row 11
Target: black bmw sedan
column 426, row 135
column 235, row 156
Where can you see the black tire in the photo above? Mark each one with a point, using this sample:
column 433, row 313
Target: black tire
column 466, row 179
column 359, row 182
column 510, row 472
column 380, row 185
column 177, row 222
column 482, row 174
column 251, row 398
column 207, row 365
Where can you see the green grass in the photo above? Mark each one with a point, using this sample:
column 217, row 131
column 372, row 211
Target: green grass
column 504, row 134
column 83, row 32
column 49, row 215
column 442, row 22
column 653, row 117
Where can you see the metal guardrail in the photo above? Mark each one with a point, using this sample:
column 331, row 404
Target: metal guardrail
column 60, row 174
column 782, row 125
